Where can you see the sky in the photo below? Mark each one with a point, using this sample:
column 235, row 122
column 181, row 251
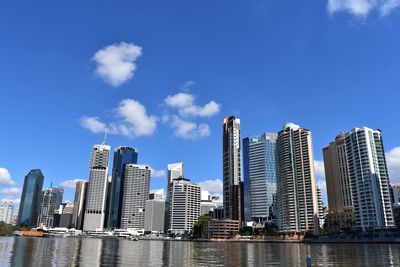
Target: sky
column 162, row 76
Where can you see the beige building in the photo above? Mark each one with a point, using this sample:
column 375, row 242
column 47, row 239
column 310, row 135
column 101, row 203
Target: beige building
column 220, row 229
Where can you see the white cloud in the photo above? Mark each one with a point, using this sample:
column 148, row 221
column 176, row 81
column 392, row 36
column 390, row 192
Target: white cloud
column 93, row 124
column 185, row 103
column 393, row 164
column 319, row 168
column 116, row 62
column 158, row 173
column 10, row 191
column 133, row 121
column 214, row 187
column 362, row 8
column 320, row 177
column 71, row 184
column 13, row 200
column 188, row 129
column 5, row 177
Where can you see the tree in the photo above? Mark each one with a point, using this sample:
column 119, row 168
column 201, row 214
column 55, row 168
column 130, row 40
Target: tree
column 197, row 226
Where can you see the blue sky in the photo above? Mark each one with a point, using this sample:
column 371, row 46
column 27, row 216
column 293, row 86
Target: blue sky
column 162, row 75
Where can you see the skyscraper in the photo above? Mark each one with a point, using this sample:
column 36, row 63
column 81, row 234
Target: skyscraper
column 259, row 176
column 79, row 204
column 6, row 211
column 97, row 189
column 185, row 198
column 175, row 170
column 296, row 193
column 30, row 198
column 122, row 156
column 50, row 201
column 154, row 214
column 232, row 188
column 136, row 192
column 369, row 179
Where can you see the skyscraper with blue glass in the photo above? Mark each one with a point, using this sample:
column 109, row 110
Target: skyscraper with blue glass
column 259, row 176
column 122, row 155
column 30, row 198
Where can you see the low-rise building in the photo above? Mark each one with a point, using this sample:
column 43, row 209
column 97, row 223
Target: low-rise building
column 220, row 229
column 336, row 222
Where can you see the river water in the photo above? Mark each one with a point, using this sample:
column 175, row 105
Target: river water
column 25, row 251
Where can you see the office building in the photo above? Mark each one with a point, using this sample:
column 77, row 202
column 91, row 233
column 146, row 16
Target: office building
column 220, row 229
column 321, row 210
column 369, row 179
column 232, row 170
column 6, row 212
column 296, row 193
column 135, row 193
column 396, row 194
column 97, row 189
column 185, row 198
column 30, row 198
column 155, row 211
column 175, row 170
column 50, row 201
column 259, row 177
column 79, row 204
column 208, row 203
column 122, row 155
column 67, row 215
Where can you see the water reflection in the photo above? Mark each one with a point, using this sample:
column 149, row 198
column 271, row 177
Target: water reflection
column 22, row 251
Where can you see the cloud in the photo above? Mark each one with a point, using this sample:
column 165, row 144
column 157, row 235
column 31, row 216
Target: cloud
column 214, row 187
column 393, row 164
column 362, row 8
column 10, row 191
column 185, row 103
column 188, row 129
column 133, row 121
column 116, row 62
column 319, row 168
column 71, row 184
column 320, row 177
column 13, row 200
column 158, row 173
column 93, row 124
column 5, row 177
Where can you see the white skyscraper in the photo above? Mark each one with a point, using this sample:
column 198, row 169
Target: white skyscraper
column 175, row 170
column 135, row 193
column 97, row 189
column 369, row 179
column 6, row 211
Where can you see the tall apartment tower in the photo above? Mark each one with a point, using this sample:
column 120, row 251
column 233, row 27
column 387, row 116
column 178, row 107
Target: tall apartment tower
column 185, row 198
column 296, row 193
column 337, row 176
column 136, row 192
column 175, row 170
column 369, row 179
column 232, row 170
column 122, row 156
column 97, row 189
column 79, row 204
column 30, row 198
column 50, row 201
column 6, row 212
column 259, row 176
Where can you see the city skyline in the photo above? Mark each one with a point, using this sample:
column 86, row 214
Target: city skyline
column 183, row 87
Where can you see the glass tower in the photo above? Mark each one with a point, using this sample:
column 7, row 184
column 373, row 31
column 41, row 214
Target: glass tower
column 122, row 156
column 30, row 198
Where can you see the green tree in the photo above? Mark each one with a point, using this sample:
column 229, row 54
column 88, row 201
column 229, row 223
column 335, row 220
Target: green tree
column 197, row 226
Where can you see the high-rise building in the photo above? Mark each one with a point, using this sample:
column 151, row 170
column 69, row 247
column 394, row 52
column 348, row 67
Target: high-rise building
column 97, row 189
column 259, row 176
column 175, row 170
column 396, row 194
column 79, row 204
column 296, row 193
column 6, row 211
column 369, row 179
column 122, row 155
column 321, row 212
column 50, row 200
column 232, row 170
column 136, row 192
column 67, row 215
column 30, row 198
column 155, row 210
column 185, row 198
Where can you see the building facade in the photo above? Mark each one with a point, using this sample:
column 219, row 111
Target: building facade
column 30, row 198
column 97, row 189
column 122, row 156
column 6, row 212
column 50, row 201
column 135, row 193
column 232, row 170
column 79, row 204
column 175, row 170
column 369, row 179
column 220, row 229
column 296, row 195
column 259, row 176
column 185, row 198
column 155, row 211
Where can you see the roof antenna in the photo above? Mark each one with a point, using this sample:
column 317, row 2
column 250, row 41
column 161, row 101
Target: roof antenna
column 51, row 184
column 105, row 136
